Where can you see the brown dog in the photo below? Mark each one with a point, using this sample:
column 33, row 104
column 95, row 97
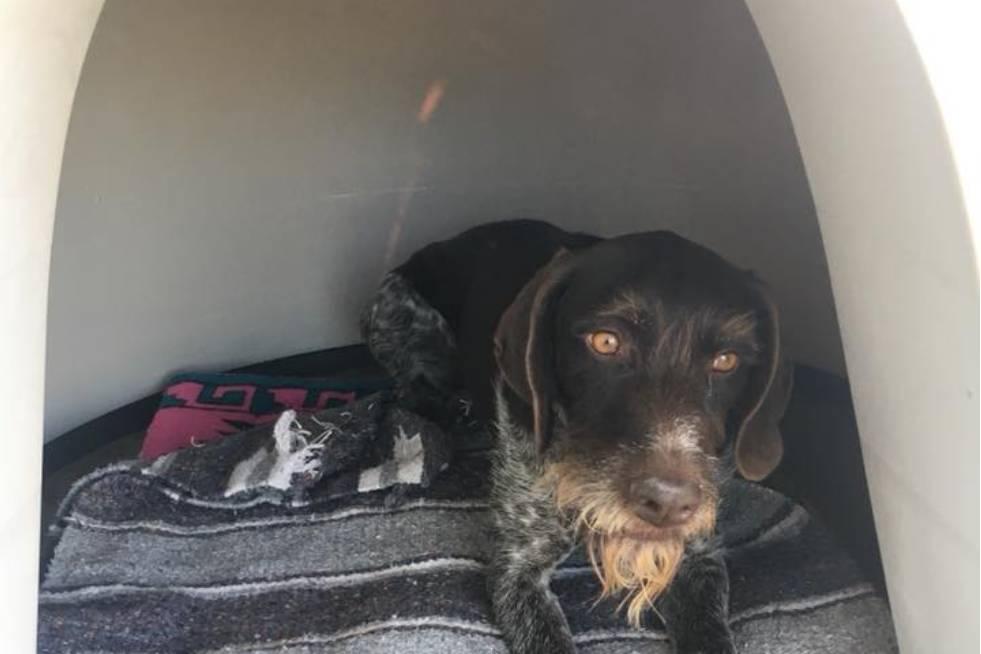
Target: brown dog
column 627, row 378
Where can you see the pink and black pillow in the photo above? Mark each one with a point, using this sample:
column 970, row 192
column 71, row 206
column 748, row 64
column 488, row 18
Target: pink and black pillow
column 201, row 407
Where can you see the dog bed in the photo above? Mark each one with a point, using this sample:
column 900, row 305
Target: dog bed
column 359, row 530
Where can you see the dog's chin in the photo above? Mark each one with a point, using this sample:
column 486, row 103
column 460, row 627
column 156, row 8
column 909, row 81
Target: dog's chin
column 639, row 560
column 629, row 555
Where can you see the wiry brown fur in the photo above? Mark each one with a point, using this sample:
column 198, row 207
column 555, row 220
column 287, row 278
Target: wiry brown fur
column 628, row 555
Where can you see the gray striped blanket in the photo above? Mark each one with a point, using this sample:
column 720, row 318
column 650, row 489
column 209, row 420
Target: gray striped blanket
column 153, row 558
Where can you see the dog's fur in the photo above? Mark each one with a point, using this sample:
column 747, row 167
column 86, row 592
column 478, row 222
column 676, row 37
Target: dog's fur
column 587, row 443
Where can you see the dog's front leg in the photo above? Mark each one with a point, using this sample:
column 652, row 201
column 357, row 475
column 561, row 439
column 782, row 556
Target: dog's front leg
column 696, row 606
column 526, row 611
column 531, row 540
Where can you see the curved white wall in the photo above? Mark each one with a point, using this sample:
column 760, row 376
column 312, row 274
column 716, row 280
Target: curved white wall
column 235, row 168
column 904, row 271
column 42, row 44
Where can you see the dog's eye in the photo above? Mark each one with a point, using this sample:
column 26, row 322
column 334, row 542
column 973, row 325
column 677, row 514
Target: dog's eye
column 605, row 343
column 725, row 362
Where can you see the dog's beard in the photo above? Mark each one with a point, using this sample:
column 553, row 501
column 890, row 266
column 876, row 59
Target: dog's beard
column 629, row 556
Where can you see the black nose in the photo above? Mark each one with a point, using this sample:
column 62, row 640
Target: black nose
column 665, row 503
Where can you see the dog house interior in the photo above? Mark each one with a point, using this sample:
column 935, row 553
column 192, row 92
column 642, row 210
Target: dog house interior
column 226, row 182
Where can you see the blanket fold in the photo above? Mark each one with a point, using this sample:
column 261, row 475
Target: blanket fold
column 365, row 446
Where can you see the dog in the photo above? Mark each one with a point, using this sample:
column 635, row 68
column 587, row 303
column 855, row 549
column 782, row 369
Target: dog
column 626, row 378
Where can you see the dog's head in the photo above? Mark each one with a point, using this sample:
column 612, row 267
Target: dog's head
column 645, row 360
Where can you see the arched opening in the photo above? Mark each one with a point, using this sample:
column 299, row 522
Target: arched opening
column 137, row 160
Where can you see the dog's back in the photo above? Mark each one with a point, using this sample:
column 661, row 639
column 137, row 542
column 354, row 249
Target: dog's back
column 472, row 278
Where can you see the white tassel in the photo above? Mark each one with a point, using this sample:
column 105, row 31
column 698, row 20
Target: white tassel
column 294, row 453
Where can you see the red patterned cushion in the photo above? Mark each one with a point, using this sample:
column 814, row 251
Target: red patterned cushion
column 197, row 408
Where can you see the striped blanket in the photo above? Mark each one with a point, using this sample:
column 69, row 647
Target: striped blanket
column 145, row 562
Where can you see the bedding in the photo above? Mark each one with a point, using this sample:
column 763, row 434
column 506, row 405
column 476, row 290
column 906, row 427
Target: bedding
column 171, row 556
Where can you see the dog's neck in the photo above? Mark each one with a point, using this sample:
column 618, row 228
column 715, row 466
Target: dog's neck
column 513, row 427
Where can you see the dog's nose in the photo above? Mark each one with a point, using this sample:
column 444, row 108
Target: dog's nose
column 666, row 503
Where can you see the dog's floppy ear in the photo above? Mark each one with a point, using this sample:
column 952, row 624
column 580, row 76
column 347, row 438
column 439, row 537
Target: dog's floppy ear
column 523, row 344
column 759, row 445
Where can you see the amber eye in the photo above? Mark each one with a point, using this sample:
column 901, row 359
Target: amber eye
column 605, row 343
column 725, row 362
